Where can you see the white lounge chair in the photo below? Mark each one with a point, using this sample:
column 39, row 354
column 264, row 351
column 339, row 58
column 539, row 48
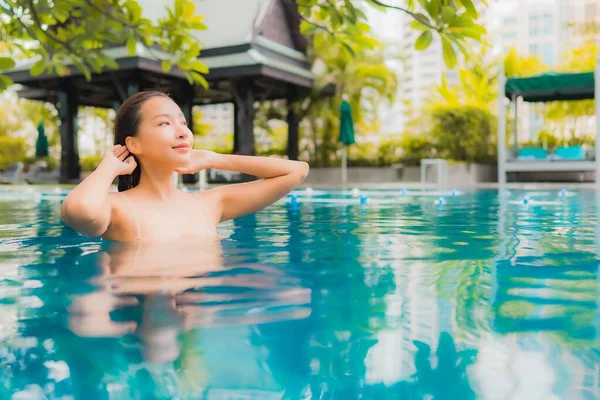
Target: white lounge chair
column 12, row 174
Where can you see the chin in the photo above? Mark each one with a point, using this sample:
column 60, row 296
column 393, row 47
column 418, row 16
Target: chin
column 181, row 161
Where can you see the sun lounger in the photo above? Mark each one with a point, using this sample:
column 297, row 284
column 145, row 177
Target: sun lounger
column 532, row 153
column 12, row 174
column 574, row 153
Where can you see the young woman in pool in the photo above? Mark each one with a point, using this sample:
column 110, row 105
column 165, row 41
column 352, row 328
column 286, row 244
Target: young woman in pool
column 153, row 141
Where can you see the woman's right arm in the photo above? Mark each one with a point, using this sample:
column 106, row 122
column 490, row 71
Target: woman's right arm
column 87, row 208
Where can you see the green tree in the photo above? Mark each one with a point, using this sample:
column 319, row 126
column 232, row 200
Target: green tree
column 478, row 79
column 360, row 73
column 478, row 84
column 467, row 108
column 518, row 65
column 362, row 76
column 453, row 21
column 59, row 33
column 566, row 115
column 464, row 133
column 20, row 117
column 201, row 128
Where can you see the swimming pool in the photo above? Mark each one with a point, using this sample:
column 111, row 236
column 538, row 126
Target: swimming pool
column 326, row 295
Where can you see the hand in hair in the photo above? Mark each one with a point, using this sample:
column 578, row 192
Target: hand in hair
column 200, row 159
column 87, row 208
column 120, row 159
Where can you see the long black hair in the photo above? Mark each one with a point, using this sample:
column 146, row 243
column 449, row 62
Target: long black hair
column 127, row 123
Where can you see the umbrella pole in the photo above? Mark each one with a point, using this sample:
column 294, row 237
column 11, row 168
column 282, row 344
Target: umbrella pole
column 344, row 164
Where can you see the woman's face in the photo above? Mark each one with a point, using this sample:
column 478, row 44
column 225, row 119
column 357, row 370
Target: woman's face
column 163, row 136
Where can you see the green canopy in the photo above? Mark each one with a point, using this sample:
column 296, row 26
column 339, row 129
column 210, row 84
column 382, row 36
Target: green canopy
column 552, row 86
column 41, row 144
column 346, row 124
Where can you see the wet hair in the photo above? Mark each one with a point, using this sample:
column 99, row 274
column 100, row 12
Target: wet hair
column 127, row 123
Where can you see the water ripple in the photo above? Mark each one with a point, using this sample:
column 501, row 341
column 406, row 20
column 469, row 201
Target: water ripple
column 481, row 296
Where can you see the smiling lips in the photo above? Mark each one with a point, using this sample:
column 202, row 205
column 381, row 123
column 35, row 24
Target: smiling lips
column 183, row 147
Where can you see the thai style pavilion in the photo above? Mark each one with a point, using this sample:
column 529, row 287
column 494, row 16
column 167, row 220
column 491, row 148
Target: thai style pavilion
column 254, row 51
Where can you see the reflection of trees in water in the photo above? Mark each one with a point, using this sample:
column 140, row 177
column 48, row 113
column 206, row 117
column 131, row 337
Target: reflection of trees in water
column 331, row 251
column 559, row 300
column 439, row 376
column 548, row 279
column 45, row 352
column 347, row 297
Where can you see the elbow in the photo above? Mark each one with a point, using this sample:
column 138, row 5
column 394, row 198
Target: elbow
column 82, row 218
column 303, row 170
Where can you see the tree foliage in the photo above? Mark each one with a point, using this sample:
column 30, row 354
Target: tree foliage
column 453, row 21
column 478, row 84
column 566, row 115
column 11, row 150
column 519, row 65
column 361, row 75
column 464, row 133
column 58, row 34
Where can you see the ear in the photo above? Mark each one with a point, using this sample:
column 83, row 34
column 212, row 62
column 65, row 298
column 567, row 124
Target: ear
column 133, row 145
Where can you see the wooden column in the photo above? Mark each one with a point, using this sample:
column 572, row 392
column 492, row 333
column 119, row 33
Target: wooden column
column 69, row 153
column 235, row 127
column 187, row 104
column 293, row 122
column 243, row 134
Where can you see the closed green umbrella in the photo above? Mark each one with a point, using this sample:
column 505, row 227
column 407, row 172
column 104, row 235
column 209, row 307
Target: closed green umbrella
column 41, row 144
column 346, row 134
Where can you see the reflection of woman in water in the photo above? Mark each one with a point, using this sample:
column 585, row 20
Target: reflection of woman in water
column 186, row 309
column 152, row 142
column 187, row 287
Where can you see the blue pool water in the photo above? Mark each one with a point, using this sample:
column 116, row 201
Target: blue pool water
column 411, row 295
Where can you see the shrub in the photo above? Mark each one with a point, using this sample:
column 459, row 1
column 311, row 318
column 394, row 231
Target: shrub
column 548, row 140
column 370, row 155
column 362, row 155
column 464, row 133
column 12, row 150
column 90, row 163
column 585, row 140
column 389, row 152
column 271, row 151
column 415, row 147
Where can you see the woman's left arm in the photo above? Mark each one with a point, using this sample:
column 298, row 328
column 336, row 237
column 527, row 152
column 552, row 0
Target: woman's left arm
column 279, row 177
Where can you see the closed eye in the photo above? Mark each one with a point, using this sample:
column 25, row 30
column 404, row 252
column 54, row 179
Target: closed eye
column 184, row 123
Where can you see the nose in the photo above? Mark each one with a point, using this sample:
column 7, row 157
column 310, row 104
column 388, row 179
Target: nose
column 183, row 132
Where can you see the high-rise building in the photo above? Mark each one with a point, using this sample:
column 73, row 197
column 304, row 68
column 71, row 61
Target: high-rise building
column 423, row 70
column 546, row 28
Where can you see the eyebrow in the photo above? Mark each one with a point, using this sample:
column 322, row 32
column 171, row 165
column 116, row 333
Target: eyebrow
column 167, row 115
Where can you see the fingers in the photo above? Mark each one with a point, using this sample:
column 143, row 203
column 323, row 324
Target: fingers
column 119, row 150
column 131, row 161
column 184, row 170
column 131, row 165
column 123, row 155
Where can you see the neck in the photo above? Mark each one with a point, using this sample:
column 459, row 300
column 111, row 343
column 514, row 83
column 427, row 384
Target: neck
column 157, row 183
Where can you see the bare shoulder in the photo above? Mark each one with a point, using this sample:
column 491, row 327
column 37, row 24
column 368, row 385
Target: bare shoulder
column 120, row 227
